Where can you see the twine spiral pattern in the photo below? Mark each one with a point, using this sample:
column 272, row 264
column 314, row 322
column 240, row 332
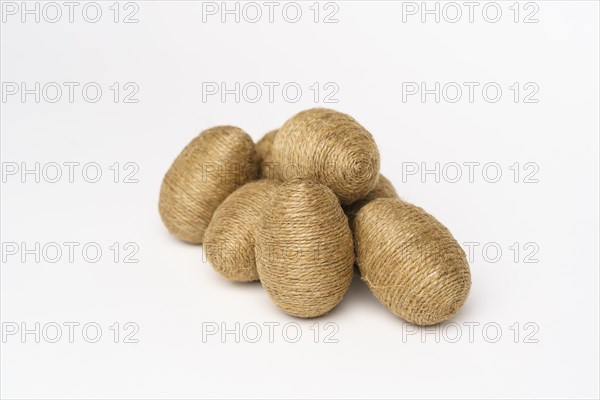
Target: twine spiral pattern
column 230, row 238
column 209, row 168
column 304, row 250
column 328, row 147
column 410, row 261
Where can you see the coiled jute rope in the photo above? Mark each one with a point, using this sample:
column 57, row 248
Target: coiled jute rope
column 304, row 250
column 328, row 147
column 410, row 261
column 230, row 238
column 209, row 168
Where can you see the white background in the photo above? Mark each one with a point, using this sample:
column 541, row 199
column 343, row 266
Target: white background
column 171, row 293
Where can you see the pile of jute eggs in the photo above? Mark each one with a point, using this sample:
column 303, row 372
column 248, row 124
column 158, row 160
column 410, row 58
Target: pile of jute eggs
column 301, row 207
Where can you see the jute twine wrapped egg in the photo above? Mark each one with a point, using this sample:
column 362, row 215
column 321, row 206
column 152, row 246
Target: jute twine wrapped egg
column 304, row 251
column 230, row 238
column 384, row 189
column 263, row 155
column 410, row 261
column 209, row 168
column 328, row 147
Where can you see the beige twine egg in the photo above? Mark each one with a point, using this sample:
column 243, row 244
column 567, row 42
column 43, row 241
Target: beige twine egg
column 410, row 261
column 210, row 167
column 328, row 147
column 304, row 250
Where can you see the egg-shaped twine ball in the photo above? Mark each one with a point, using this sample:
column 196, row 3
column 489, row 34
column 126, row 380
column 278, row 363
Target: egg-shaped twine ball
column 410, row 261
column 210, row 168
column 328, row 147
column 231, row 235
column 384, row 189
column 304, row 250
column 263, row 155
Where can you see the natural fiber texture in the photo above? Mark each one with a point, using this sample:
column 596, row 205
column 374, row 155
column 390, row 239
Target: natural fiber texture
column 328, row 147
column 209, row 168
column 382, row 190
column 230, row 238
column 410, row 261
column 263, row 156
column 304, row 251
